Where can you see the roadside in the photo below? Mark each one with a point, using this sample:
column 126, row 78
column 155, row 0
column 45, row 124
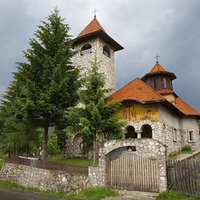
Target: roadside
column 133, row 195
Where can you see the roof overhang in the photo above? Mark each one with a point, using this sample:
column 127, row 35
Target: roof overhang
column 172, row 75
column 103, row 36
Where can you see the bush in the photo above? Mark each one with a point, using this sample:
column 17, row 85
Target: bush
column 186, row 148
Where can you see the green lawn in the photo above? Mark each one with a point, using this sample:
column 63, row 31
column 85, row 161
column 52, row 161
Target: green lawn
column 79, row 161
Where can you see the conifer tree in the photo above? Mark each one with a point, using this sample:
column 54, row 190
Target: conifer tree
column 48, row 79
column 94, row 117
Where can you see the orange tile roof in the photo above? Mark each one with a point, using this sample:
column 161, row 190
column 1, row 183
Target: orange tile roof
column 137, row 90
column 157, row 68
column 93, row 26
column 165, row 91
column 185, row 108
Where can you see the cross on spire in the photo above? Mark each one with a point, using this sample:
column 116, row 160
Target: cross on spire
column 95, row 11
column 157, row 56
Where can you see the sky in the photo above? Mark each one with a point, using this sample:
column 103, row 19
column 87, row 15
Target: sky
column 145, row 28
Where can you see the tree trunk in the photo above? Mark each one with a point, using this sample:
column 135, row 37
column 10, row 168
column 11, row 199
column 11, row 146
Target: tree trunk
column 44, row 142
column 95, row 150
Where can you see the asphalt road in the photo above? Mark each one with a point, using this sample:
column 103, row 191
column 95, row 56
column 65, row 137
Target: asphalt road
column 9, row 194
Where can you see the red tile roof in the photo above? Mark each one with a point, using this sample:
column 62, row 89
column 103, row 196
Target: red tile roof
column 157, row 68
column 93, row 26
column 95, row 30
column 137, row 90
column 185, row 108
column 165, row 91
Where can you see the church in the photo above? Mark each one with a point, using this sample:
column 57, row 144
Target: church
column 149, row 105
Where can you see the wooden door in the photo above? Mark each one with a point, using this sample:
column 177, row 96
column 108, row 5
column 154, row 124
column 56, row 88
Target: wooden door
column 133, row 172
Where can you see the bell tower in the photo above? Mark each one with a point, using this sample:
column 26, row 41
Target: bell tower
column 94, row 41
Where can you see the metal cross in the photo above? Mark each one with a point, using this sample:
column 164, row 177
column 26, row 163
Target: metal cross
column 95, row 11
column 157, row 56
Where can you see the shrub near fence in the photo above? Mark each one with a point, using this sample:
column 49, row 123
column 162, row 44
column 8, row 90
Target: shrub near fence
column 70, row 168
column 184, row 176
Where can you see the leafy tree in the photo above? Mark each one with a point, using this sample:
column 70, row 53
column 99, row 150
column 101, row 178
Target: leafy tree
column 47, row 81
column 94, row 117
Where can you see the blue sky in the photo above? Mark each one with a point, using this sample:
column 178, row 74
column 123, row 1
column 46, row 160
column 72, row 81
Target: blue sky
column 143, row 27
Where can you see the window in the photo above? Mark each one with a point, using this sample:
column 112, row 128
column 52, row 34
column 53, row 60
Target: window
column 130, row 132
column 106, row 51
column 146, row 131
column 165, row 82
column 86, row 48
column 191, row 136
column 131, row 148
column 175, row 135
column 154, row 81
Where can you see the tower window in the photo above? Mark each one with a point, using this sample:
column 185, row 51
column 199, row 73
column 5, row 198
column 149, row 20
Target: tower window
column 106, row 51
column 86, row 48
column 155, row 84
column 165, row 82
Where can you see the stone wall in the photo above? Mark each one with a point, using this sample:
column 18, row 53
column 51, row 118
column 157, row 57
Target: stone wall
column 43, row 179
column 61, row 181
column 148, row 148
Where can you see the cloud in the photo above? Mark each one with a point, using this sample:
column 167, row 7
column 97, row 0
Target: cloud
column 144, row 28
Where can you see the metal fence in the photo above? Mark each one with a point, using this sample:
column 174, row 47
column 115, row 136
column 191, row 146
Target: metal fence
column 69, row 168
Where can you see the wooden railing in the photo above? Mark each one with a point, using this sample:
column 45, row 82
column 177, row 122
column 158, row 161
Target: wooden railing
column 69, row 168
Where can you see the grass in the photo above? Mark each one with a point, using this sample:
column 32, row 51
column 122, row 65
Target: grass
column 173, row 195
column 79, row 161
column 89, row 194
column 187, row 149
column 1, row 163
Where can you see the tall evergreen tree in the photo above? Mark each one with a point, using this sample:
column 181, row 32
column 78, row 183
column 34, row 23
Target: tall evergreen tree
column 94, row 117
column 48, row 79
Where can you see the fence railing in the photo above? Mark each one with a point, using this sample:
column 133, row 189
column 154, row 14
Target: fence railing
column 184, row 176
column 69, row 168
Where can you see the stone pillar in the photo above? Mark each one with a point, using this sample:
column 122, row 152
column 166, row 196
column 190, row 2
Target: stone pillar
column 139, row 134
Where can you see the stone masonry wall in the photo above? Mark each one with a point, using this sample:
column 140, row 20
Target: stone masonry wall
column 44, row 179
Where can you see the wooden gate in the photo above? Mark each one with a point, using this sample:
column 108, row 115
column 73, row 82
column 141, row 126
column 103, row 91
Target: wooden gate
column 133, row 172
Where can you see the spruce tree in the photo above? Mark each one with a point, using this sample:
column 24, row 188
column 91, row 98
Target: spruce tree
column 48, row 77
column 94, row 117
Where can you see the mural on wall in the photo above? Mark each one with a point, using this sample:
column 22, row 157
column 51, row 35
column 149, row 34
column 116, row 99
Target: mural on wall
column 135, row 112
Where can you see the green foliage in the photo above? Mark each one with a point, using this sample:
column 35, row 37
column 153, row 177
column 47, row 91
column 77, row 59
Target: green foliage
column 52, row 146
column 96, row 193
column 62, row 137
column 43, row 87
column 94, row 117
column 186, row 149
column 173, row 195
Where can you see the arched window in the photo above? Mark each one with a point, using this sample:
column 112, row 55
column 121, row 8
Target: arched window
column 130, row 132
column 147, row 131
column 106, row 51
column 86, row 48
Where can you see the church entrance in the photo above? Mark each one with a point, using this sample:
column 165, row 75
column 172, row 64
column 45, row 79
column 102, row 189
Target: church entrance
column 133, row 172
